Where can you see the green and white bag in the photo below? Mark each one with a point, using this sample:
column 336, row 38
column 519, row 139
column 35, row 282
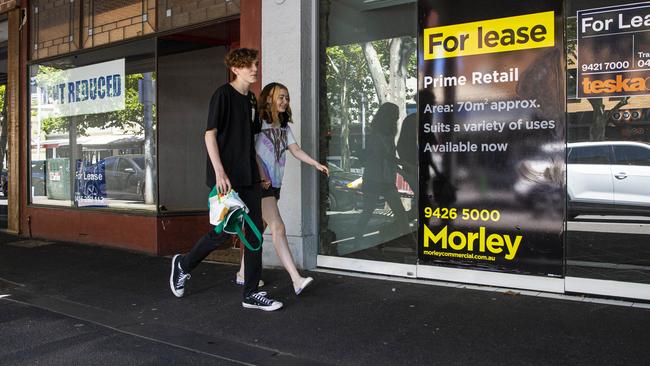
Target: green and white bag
column 228, row 213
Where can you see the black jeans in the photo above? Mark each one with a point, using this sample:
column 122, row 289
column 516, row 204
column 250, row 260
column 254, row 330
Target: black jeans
column 252, row 197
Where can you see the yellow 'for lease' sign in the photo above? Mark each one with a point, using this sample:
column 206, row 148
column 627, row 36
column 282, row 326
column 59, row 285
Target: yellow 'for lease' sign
column 490, row 36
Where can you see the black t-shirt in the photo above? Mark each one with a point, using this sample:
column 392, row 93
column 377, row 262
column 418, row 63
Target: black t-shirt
column 236, row 119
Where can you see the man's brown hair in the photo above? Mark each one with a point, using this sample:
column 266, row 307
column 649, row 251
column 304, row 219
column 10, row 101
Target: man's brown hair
column 241, row 57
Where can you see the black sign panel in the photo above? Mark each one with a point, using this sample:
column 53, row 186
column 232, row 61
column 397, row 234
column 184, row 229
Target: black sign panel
column 613, row 51
column 492, row 135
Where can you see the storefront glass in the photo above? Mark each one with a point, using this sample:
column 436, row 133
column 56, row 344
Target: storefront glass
column 591, row 153
column 492, row 132
column 608, row 164
column 368, row 114
column 4, row 128
column 93, row 129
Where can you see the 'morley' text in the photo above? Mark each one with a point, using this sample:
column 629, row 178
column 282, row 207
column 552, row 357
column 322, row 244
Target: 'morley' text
column 474, row 241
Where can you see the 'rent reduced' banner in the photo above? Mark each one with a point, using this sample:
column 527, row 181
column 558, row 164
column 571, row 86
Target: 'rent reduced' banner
column 97, row 88
column 492, row 135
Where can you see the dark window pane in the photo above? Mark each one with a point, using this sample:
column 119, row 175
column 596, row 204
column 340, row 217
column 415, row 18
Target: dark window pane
column 110, row 163
column 139, row 161
column 123, row 165
column 632, row 155
column 589, row 155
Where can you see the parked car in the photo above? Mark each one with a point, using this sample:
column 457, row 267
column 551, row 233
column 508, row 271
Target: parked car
column 119, row 177
column 608, row 178
column 344, row 189
column 355, row 163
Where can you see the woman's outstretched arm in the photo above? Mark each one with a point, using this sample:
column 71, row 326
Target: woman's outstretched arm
column 299, row 154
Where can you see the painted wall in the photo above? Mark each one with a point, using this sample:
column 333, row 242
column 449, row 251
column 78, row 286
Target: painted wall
column 286, row 49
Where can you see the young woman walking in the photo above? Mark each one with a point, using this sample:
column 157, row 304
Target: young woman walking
column 271, row 145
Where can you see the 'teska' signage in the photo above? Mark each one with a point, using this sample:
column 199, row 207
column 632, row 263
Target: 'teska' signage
column 613, row 51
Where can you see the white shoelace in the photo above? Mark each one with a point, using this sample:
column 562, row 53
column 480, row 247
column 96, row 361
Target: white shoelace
column 182, row 277
column 261, row 297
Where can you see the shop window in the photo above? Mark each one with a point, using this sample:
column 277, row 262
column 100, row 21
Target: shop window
column 93, row 129
column 180, row 13
column 589, row 155
column 108, row 21
column 368, row 130
column 607, row 191
column 55, row 27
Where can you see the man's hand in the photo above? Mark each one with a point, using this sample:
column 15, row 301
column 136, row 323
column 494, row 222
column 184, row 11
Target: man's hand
column 265, row 184
column 223, row 183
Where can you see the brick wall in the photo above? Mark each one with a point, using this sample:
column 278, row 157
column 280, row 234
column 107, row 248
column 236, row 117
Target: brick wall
column 54, row 29
column 56, row 23
column 117, row 20
column 6, row 5
column 180, row 13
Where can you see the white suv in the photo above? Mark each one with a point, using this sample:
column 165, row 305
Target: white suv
column 608, row 177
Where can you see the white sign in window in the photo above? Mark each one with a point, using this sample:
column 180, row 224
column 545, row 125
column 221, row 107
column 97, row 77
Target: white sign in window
column 97, row 88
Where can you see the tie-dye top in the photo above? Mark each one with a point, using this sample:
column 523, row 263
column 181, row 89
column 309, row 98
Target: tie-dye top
column 271, row 144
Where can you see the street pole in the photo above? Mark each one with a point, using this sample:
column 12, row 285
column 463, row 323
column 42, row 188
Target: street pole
column 363, row 121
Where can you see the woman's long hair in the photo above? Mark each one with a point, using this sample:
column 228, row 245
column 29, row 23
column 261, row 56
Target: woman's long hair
column 384, row 122
column 269, row 110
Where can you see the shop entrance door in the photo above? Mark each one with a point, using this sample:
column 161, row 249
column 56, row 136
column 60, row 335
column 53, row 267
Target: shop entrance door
column 369, row 213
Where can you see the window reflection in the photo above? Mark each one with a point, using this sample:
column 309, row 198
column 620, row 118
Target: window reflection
column 608, row 173
column 83, row 158
column 370, row 124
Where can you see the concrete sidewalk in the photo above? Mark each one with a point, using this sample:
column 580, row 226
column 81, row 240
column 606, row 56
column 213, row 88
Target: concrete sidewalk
column 75, row 304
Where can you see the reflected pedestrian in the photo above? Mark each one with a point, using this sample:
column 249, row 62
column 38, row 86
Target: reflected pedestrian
column 380, row 171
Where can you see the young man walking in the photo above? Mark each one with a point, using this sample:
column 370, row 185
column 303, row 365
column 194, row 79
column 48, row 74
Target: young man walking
column 233, row 121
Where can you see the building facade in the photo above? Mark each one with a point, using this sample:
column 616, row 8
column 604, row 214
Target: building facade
column 91, row 154
column 114, row 96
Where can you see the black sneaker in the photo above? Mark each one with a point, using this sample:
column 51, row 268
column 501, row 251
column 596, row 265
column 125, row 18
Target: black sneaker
column 258, row 300
column 178, row 277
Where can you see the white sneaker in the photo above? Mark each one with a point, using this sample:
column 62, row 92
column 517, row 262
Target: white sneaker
column 303, row 283
column 178, row 277
column 259, row 300
column 239, row 279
